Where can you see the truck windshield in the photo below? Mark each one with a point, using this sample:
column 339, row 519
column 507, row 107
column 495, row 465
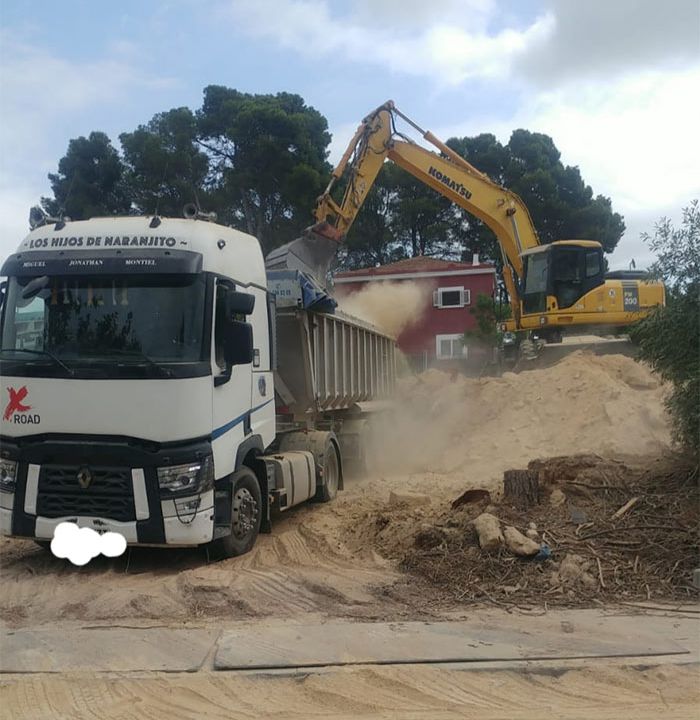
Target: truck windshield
column 105, row 325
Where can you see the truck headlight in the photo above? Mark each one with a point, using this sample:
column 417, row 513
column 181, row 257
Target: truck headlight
column 8, row 475
column 189, row 479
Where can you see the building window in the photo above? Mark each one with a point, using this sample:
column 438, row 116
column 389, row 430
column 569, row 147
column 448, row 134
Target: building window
column 450, row 347
column 451, row 297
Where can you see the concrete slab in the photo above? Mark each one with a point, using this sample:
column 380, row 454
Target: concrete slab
column 489, row 640
column 537, row 638
column 100, row 649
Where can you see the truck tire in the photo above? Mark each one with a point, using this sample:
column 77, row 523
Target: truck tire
column 328, row 488
column 246, row 515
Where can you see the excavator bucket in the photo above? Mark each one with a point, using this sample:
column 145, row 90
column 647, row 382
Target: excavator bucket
column 312, row 253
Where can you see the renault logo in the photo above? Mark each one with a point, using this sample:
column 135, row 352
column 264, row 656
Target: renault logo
column 84, row 478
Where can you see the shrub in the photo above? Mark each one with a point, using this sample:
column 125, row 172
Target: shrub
column 669, row 337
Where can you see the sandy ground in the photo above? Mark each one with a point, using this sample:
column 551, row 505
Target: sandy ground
column 429, row 692
column 448, row 434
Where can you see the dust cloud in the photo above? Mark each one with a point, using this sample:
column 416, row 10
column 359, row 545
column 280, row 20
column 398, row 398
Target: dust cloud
column 390, row 306
column 472, row 429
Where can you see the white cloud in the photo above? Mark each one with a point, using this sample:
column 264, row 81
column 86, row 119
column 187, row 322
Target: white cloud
column 40, row 91
column 82, row 544
column 451, row 41
column 403, row 15
column 449, row 47
column 45, row 100
column 604, row 37
column 633, row 138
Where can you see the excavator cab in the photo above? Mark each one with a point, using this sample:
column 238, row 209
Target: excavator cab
column 559, row 274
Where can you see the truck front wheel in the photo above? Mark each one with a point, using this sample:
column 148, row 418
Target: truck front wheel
column 246, row 514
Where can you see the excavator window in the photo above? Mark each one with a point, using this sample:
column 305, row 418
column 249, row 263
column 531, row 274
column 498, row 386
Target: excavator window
column 536, row 282
column 565, row 271
column 592, row 263
column 567, row 275
column 576, row 271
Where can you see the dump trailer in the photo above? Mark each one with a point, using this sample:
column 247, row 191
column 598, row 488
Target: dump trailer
column 159, row 383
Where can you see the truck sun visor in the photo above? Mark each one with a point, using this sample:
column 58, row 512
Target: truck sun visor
column 79, row 262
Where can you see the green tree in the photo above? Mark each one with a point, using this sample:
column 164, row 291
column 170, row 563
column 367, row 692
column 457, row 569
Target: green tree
column 669, row 337
column 166, row 169
column 258, row 161
column 89, row 181
column 420, row 217
column 560, row 203
column 267, row 160
column 488, row 314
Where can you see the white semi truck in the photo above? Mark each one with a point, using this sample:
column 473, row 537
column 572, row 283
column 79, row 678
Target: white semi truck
column 158, row 382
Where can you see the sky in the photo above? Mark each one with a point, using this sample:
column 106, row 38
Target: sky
column 615, row 83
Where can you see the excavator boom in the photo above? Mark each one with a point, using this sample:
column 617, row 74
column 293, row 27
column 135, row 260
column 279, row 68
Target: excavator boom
column 553, row 286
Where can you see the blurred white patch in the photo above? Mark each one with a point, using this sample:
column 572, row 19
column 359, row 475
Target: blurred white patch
column 80, row 545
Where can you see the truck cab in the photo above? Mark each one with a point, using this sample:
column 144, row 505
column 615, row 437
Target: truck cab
column 136, row 379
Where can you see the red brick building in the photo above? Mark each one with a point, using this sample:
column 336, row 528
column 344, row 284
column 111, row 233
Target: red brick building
column 450, row 288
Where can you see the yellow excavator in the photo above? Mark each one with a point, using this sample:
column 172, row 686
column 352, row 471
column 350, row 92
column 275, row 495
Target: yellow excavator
column 551, row 286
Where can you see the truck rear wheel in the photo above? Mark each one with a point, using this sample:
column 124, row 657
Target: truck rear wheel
column 246, row 514
column 328, row 488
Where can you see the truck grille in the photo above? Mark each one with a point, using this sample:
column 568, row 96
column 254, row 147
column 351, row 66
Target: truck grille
column 110, row 493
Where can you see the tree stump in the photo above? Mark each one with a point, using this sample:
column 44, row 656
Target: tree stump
column 521, row 488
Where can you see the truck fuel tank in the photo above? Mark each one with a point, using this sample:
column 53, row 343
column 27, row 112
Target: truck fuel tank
column 291, row 476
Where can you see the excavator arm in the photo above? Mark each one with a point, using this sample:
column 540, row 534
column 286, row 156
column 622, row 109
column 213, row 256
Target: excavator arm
column 551, row 287
column 376, row 140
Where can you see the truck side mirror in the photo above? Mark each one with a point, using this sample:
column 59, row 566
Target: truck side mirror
column 238, row 342
column 34, row 287
column 239, row 303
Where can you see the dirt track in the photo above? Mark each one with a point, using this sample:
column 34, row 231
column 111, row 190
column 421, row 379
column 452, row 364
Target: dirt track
column 602, row 693
column 300, row 568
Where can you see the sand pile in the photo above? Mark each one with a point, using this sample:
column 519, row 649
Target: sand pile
column 474, row 429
